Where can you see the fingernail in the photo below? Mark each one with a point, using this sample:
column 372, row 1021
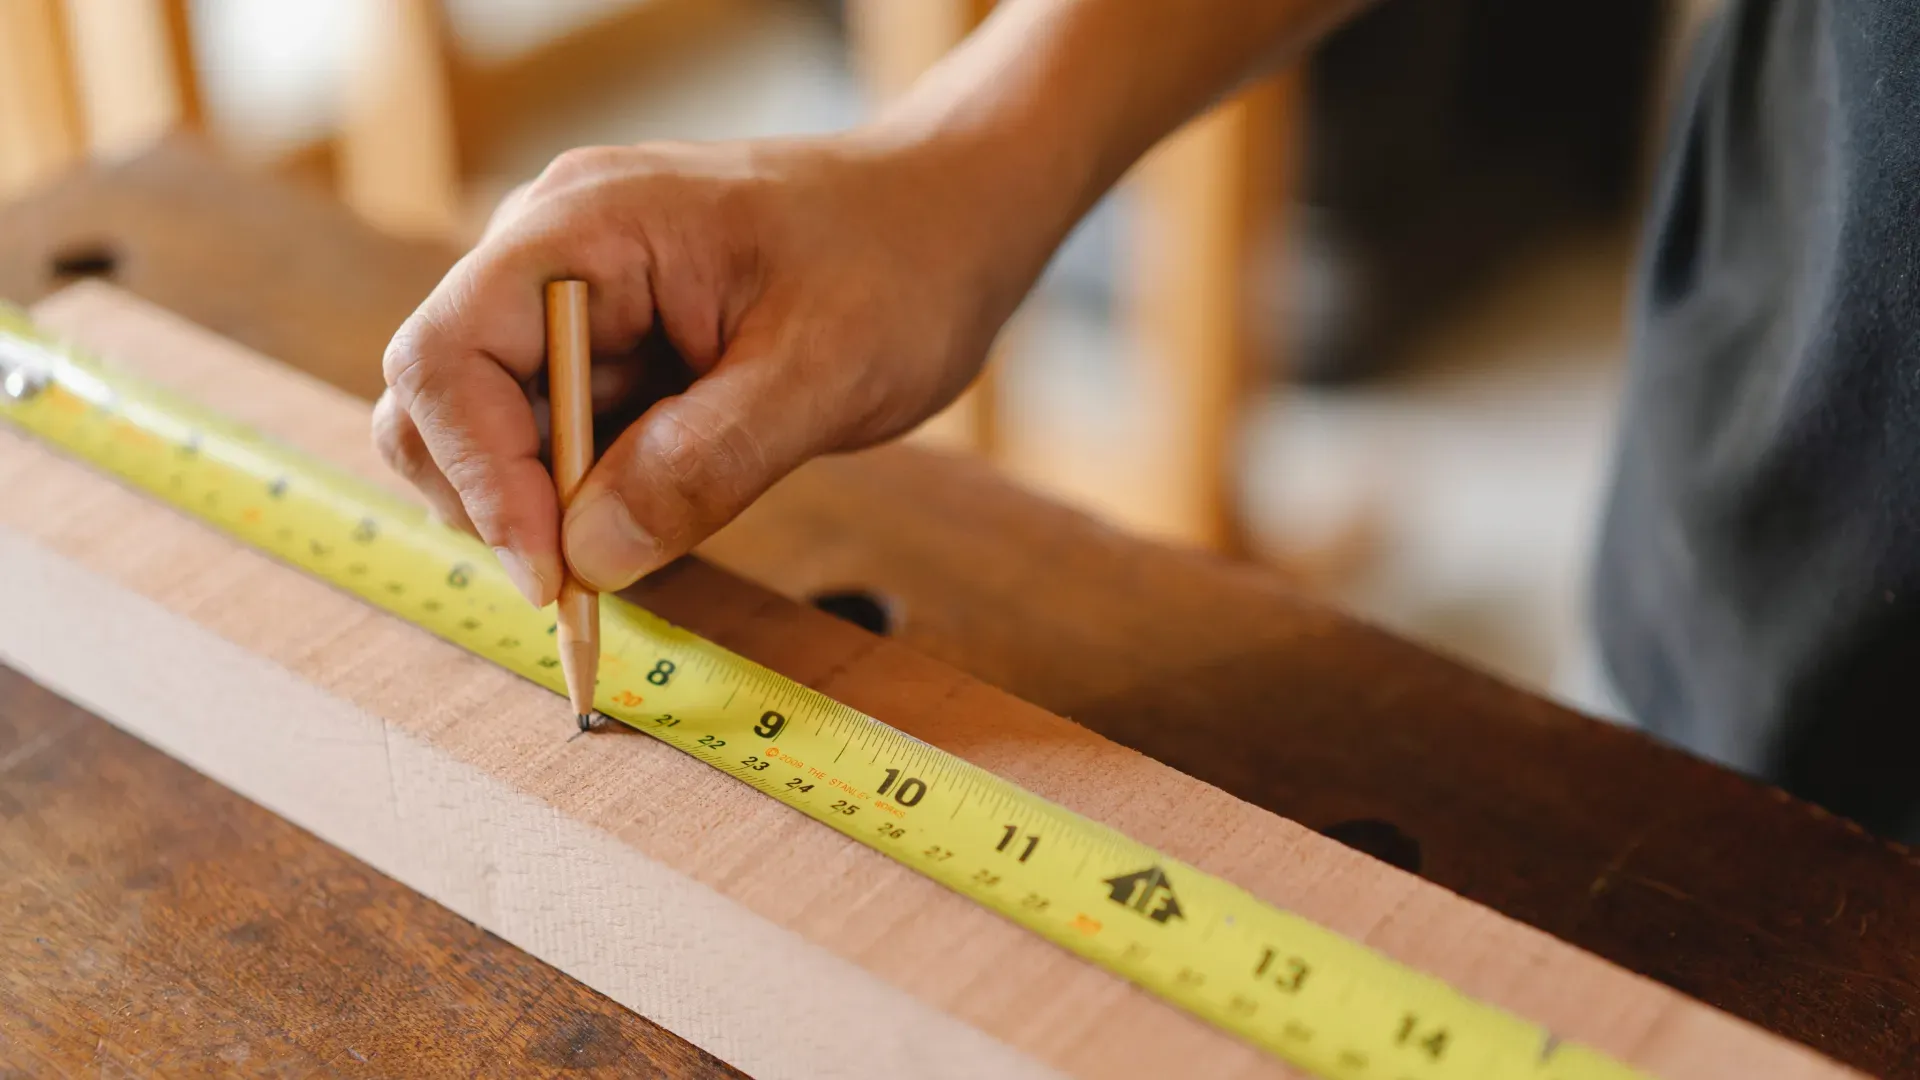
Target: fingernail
column 606, row 547
column 521, row 574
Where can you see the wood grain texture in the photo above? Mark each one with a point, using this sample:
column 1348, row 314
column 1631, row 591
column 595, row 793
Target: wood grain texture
column 453, row 776
column 154, row 923
column 1725, row 889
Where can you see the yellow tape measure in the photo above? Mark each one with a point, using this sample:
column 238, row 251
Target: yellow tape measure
column 1318, row 1000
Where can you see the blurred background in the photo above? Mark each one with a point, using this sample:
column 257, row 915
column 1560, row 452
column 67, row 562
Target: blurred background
column 1363, row 323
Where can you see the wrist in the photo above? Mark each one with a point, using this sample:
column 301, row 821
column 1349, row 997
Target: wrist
column 999, row 194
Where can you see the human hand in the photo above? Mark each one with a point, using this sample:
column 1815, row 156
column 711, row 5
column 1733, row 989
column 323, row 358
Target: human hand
column 821, row 295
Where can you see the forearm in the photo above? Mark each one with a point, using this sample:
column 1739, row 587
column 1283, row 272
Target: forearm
column 1053, row 100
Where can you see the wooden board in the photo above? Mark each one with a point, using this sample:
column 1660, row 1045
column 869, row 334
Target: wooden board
column 1730, row 891
column 774, row 943
column 153, row 923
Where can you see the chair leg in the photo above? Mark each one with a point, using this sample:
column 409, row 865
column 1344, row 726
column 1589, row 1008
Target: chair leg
column 40, row 131
column 1208, row 198
column 894, row 42
column 399, row 164
column 133, row 66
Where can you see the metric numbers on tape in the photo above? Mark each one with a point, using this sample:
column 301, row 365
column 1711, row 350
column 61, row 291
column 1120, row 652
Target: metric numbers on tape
column 1321, row 1001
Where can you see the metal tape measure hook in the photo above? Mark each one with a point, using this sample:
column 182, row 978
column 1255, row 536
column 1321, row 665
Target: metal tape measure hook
column 24, row 371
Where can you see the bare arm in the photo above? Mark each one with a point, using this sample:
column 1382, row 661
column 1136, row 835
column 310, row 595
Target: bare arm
column 1055, row 99
column 826, row 293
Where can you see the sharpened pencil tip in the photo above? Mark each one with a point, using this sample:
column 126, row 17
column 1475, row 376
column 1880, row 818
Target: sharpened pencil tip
column 586, row 721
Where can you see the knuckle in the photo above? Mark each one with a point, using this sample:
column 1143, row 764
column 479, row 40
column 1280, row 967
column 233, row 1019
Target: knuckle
column 387, row 438
column 570, row 167
column 674, row 449
column 463, row 464
column 458, row 458
column 402, row 450
column 509, row 207
column 711, row 463
column 404, row 350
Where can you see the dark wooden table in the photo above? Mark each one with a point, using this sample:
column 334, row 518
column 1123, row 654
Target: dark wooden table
column 152, row 921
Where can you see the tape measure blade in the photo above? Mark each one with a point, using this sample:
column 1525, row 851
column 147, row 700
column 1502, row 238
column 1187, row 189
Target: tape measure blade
column 1309, row 996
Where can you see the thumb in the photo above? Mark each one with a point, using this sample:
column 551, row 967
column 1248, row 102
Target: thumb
column 690, row 465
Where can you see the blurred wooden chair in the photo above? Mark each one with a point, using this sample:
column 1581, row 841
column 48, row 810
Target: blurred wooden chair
column 397, row 156
column 103, row 77
column 894, row 43
column 1208, row 199
column 1210, row 206
column 89, row 78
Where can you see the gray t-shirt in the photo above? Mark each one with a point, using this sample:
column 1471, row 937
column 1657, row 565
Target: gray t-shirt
column 1758, row 582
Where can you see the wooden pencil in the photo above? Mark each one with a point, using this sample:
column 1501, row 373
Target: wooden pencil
column 570, row 394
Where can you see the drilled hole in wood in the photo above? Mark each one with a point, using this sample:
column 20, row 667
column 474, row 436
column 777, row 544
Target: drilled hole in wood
column 1381, row 839
column 84, row 261
column 859, row 607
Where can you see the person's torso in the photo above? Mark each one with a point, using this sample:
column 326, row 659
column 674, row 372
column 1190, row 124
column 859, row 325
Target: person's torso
column 1758, row 585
